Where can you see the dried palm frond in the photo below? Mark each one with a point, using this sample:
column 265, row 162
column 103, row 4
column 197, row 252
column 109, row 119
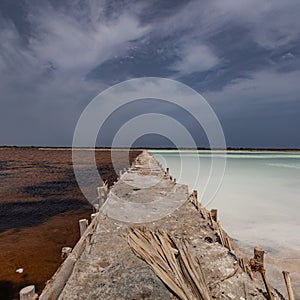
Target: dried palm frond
column 171, row 262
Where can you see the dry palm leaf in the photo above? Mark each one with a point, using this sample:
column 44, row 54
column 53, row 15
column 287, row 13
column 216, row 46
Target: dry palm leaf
column 171, row 262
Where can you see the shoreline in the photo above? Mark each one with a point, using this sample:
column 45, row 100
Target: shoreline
column 189, row 221
column 228, row 149
column 267, row 258
column 249, row 194
column 277, row 260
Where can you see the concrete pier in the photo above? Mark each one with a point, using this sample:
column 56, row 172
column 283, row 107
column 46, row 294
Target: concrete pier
column 103, row 266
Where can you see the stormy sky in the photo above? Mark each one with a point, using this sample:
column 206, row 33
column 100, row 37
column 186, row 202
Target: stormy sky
column 242, row 56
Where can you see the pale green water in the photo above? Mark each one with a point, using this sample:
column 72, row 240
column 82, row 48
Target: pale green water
column 258, row 201
column 259, row 198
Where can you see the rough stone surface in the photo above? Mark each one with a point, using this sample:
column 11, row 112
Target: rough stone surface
column 110, row 270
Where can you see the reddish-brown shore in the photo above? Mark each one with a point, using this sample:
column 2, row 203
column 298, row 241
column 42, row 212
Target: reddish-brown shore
column 40, row 205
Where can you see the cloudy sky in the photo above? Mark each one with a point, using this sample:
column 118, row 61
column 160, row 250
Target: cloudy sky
column 242, row 56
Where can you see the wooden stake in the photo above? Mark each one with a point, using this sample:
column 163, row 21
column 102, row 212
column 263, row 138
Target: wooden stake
column 229, row 243
column 214, row 214
column 56, row 284
column 203, row 212
column 65, row 252
column 28, row 293
column 259, row 258
column 221, row 234
column 195, row 195
column 257, row 264
column 93, row 216
column 288, row 284
column 242, row 264
column 249, row 271
column 83, row 223
column 105, row 190
column 100, row 192
column 96, row 208
column 267, row 284
column 211, row 221
column 195, row 200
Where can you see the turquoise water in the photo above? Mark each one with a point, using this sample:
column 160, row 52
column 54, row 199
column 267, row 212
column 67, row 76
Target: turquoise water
column 259, row 197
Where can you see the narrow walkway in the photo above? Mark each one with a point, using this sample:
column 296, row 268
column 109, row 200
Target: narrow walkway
column 103, row 266
column 144, row 193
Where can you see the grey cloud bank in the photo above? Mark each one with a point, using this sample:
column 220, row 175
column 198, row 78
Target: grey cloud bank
column 242, row 56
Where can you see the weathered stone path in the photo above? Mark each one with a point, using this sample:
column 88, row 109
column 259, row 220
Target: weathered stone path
column 106, row 268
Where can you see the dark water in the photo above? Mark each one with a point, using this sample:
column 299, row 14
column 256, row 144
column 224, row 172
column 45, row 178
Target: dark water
column 32, row 213
column 39, row 197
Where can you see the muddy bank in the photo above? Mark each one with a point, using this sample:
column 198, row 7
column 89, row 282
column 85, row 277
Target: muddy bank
column 40, row 205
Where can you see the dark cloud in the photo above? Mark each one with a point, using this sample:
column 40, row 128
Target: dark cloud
column 243, row 56
column 146, row 106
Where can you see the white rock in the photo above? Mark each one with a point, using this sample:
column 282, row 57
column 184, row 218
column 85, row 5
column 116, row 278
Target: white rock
column 20, row 270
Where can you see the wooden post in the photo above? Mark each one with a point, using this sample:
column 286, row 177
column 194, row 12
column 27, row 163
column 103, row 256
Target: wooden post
column 267, row 284
column 193, row 200
column 93, row 216
column 259, row 257
column 257, row 264
column 214, row 214
column 65, row 252
column 242, row 264
column 99, row 191
column 211, row 221
column 102, row 194
column 288, row 284
column 96, row 207
column 229, row 243
column 105, row 190
column 203, row 211
column 249, row 271
column 83, row 223
column 28, row 293
column 195, row 195
column 221, row 234
column 167, row 171
column 55, row 286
